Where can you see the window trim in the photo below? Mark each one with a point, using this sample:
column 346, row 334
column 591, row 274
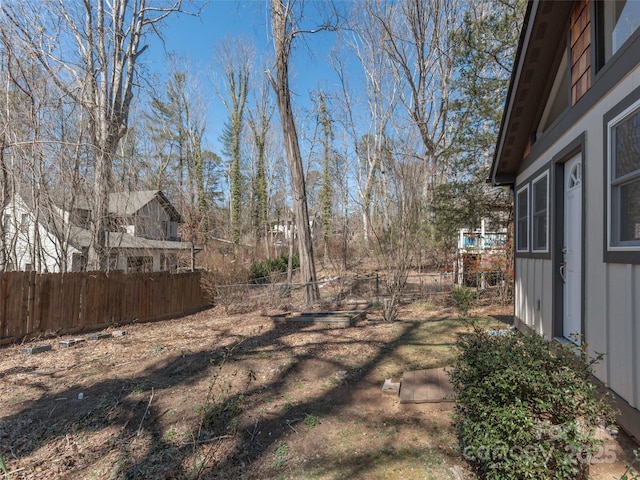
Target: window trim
column 625, row 255
column 532, row 202
column 613, row 243
column 602, row 35
column 528, row 219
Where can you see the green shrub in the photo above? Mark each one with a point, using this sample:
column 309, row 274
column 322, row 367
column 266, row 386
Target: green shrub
column 260, row 270
column 526, row 408
column 462, row 298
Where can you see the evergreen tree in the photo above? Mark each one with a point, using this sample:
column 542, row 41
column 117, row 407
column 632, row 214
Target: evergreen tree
column 326, row 187
column 235, row 57
column 485, row 50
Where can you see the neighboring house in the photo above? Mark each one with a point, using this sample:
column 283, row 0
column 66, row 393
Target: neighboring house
column 143, row 234
column 283, row 231
column 476, row 254
column 569, row 146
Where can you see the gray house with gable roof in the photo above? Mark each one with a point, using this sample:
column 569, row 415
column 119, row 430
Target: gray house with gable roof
column 49, row 238
column 569, row 147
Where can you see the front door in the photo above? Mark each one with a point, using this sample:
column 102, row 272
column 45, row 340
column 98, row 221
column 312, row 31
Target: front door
column 571, row 265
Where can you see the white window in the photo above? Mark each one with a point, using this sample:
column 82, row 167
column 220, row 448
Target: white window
column 522, row 219
column 624, row 180
column 539, row 213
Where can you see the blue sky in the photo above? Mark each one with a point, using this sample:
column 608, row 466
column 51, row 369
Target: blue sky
column 195, row 39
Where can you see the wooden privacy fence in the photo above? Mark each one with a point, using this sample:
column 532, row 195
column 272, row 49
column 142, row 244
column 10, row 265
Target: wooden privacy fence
column 66, row 302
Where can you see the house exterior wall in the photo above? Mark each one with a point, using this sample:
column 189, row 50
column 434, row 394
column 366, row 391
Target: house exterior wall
column 26, row 249
column 533, row 295
column 36, row 246
column 158, row 260
column 153, row 221
column 611, row 291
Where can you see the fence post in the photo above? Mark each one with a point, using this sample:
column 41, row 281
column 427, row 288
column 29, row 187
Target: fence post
column 31, row 302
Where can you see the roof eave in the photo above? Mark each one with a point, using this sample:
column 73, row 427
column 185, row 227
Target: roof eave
column 525, row 34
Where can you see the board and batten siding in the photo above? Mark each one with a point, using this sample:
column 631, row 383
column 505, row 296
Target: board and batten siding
column 611, row 290
column 533, row 293
column 623, row 341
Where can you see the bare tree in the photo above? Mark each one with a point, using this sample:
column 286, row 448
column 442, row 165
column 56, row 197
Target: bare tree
column 235, row 57
column 260, row 123
column 419, row 44
column 43, row 153
column 284, row 29
column 91, row 51
column 176, row 124
column 365, row 39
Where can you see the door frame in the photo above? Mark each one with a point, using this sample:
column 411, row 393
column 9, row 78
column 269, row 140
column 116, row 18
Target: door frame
column 576, row 147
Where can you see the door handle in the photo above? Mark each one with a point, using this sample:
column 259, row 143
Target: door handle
column 563, row 268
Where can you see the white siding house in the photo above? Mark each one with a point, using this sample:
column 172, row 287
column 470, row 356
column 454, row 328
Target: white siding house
column 569, row 146
column 47, row 238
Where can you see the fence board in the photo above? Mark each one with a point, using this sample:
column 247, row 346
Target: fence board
column 16, row 315
column 31, row 303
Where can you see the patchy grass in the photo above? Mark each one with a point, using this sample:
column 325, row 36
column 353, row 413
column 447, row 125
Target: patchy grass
column 235, row 397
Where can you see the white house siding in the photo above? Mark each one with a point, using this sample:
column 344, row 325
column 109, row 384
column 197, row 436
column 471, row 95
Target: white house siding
column 22, row 242
column 611, row 291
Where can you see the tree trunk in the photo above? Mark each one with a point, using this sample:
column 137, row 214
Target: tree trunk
column 282, row 43
column 98, row 249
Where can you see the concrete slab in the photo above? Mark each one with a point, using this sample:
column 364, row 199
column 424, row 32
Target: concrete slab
column 426, row 386
column 390, row 387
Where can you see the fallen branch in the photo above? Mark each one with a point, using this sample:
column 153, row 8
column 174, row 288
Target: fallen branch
column 294, row 420
column 145, row 412
column 6, row 474
column 208, row 440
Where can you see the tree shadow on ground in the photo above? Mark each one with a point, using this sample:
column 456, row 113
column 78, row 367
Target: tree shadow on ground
column 134, row 438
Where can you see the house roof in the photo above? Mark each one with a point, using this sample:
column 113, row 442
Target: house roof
column 81, row 238
column 128, row 203
column 537, row 58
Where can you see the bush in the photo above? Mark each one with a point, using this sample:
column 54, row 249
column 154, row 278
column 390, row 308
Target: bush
column 462, row 298
column 526, row 408
column 260, row 270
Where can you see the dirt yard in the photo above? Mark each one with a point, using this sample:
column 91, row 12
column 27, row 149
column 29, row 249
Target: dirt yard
column 236, row 396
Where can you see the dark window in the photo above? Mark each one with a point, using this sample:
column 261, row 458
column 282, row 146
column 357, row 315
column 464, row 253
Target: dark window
column 81, row 217
column 168, row 262
column 522, row 219
column 539, row 204
column 24, row 223
column 617, row 20
column 139, row 264
column 78, row 262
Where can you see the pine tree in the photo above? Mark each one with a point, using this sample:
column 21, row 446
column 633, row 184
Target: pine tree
column 484, row 54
